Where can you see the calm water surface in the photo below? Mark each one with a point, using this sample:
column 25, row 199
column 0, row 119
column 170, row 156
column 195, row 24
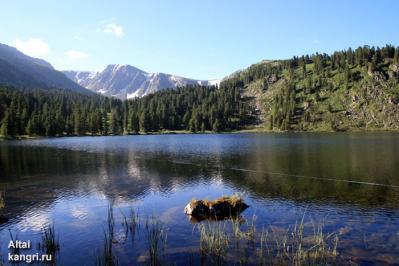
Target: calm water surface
column 348, row 181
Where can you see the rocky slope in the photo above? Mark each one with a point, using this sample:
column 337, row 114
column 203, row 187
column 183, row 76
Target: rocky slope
column 348, row 90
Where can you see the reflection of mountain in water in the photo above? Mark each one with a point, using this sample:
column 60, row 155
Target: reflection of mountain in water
column 37, row 176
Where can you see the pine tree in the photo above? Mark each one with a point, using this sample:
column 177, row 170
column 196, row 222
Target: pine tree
column 6, row 125
column 396, row 57
column 134, row 124
column 31, row 127
column 115, row 122
column 203, row 128
column 303, row 70
column 216, row 127
column 144, row 127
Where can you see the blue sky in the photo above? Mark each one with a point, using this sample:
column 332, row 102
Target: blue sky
column 197, row 39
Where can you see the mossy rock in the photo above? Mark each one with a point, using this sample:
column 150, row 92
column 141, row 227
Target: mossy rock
column 221, row 208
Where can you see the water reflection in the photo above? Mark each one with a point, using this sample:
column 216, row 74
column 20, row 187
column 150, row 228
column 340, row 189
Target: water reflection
column 72, row 181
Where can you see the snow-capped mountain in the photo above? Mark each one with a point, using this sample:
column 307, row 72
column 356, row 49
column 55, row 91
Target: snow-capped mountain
column 125, row 81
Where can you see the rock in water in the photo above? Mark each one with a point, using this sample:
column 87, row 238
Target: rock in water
column 220, row 208
column 196, row 208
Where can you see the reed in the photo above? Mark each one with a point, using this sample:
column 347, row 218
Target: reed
column 14, row 238
column 299, row 244
column 50, row 243
column 156, row 239
column 296, row 247
column 302, row 243
column 131, row 224
column 214, row 239
column 107, row 257
column 110, row 222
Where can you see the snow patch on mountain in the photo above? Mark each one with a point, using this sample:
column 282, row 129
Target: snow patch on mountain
column 126, row 82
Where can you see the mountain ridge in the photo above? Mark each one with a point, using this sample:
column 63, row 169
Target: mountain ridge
column 22, row 71
column 125, row 81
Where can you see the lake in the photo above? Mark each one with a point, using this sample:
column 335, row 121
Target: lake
column 346, row 182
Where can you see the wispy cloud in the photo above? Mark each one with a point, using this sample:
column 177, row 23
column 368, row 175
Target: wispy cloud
column 113, row 29
column 316, row 41
column 73, row 54
column 32, row 46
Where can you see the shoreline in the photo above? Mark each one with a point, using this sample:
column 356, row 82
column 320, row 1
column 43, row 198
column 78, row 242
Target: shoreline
column 186, row 132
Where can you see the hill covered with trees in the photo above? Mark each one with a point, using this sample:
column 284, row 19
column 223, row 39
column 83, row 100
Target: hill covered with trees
column 67, row 113
column 348, row 90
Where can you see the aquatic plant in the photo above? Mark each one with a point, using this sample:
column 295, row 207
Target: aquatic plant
column 14, row 238
column 213, row 238
column 107, row 257
column 302, row 243
column 110, row 222
column 220, row 242
column 131, row 224
column 50, row 243
column 296, row 247
column 157, row 239
column 234, row 201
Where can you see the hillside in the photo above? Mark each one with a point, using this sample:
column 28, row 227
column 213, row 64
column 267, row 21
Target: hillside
column 348, row 90
column 24, row 72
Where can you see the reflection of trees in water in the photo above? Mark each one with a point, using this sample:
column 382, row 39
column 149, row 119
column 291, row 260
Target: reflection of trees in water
column 307, row 189
column 39, row 175
column 36, row 176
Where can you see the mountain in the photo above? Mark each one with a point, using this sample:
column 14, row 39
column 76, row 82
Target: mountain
column 22, row 71
column 125, row 81
column 347, row 90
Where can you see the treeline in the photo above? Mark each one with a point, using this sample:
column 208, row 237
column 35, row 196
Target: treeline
column 65, row 113
column 365, row 56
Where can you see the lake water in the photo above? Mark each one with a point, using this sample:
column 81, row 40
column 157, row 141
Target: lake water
column 348, row 181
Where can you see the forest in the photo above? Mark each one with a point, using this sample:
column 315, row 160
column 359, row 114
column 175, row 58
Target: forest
column 347, row 90
column 65, row 113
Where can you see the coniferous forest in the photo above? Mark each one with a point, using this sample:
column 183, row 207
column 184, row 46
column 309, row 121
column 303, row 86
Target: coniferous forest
column 348, row 90
column 65, row 113
column 351, row 89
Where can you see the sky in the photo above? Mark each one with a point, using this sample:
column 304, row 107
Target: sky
column 204, row 39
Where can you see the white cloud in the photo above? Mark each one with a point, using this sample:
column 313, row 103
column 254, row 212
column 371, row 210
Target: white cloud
column 33, row 47
column 73, row 54
column 114, row 29
column 316, row 41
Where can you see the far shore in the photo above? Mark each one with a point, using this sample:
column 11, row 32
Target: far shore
column 180, row 132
